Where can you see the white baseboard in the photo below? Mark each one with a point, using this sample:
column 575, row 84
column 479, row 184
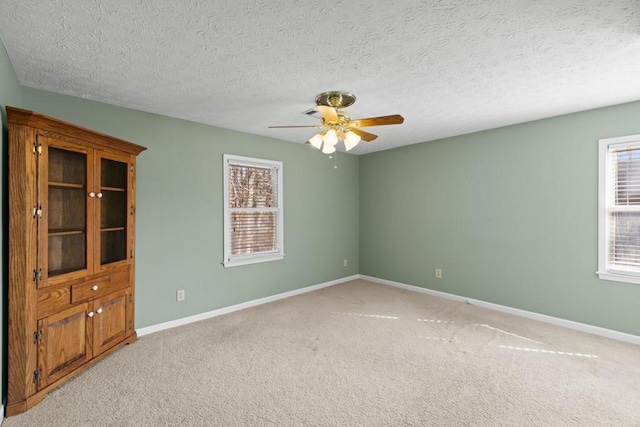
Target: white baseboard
column 1, row 414
column 595, row 330
column 226, row 310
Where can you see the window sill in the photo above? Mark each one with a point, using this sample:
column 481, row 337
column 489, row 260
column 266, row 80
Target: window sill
column 252, row 260
column 619, row 277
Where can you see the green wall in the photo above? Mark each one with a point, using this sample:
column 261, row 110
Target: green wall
column 179, row 210
column 10, row 94
column 509, row 215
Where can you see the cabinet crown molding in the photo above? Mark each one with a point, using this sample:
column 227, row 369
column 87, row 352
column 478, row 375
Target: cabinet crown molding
column 88, row 137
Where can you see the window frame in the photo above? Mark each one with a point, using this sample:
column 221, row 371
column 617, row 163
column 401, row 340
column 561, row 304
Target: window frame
column 606, row 271
column 231, row 260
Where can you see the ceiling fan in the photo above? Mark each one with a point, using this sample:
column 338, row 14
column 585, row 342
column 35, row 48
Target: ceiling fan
column 338, row 125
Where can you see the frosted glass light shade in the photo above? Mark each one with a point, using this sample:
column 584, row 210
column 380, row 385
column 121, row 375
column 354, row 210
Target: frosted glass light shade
column 330, row 138
column 328, row 149
column 316, row 141
column 351, row 139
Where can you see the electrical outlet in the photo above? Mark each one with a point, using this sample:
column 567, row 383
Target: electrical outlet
column 180, row 295
column 345, row 262
column 438, row 273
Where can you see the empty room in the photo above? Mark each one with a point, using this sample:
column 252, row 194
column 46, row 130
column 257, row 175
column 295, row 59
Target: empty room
column 347, row 213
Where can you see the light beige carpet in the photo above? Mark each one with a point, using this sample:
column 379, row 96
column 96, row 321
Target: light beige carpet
column 356, row 354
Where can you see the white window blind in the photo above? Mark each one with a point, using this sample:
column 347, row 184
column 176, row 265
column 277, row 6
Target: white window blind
column 253, row 210
column 619, row 215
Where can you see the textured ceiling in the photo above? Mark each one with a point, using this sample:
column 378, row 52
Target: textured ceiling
column 448, row 66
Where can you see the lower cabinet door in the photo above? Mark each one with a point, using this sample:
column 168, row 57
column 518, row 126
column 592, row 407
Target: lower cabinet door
column 65, row 343
column 110, row 321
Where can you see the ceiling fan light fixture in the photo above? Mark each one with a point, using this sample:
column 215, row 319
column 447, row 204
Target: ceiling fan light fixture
column 328, row 149
column 316, row 141
column 337, row 126
column 330, row 138
column 351, row 139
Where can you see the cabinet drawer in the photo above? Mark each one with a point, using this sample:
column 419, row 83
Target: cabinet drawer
column 100, row 286
column 53, row 301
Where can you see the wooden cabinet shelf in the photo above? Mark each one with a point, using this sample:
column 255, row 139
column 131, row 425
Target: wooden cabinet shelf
column 65, row 232
column 113, row 189
column 65, row 185
column 71, row 264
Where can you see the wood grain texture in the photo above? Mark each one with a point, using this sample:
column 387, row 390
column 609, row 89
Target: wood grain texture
column 100, row 286
column 65, row 257
column 80, row 135
column 64, row 346
column 111, row 171
column 52, row 300
column 110, row 320
column 53, row 329
column 22, row 262
column 132, row 241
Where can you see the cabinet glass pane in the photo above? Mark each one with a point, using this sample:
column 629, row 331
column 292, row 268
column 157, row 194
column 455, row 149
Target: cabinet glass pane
column 67, row 167
column 113, row 211
column 114, row 174
column 67, row 253
column 66, row 211
column 113, row 246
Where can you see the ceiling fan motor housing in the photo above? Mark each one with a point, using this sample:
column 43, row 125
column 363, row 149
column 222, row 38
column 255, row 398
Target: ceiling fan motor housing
column 336, row 99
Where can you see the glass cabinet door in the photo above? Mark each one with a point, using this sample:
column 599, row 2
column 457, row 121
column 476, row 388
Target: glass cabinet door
column 113, row 208
column 65, row 215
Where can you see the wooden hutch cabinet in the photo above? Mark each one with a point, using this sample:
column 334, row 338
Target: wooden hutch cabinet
column 71, row 252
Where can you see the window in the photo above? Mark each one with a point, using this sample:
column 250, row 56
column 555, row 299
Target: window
column 619, row 209
column 253, row 223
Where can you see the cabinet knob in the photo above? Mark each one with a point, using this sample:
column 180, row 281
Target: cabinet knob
column 99, row 310
column 99, row 195
column 94, row 288
column 90, row 314
column 92, row 194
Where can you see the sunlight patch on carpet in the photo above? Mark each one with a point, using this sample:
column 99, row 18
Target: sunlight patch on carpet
column 435, row 321
column 509, row 333
column 375, row 316
column 537, row 350
column 437, row 339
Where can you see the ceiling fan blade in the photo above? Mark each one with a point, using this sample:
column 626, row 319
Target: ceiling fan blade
column 395, row 119
column 307, row 126
column 329, row 114
column 365, row 136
